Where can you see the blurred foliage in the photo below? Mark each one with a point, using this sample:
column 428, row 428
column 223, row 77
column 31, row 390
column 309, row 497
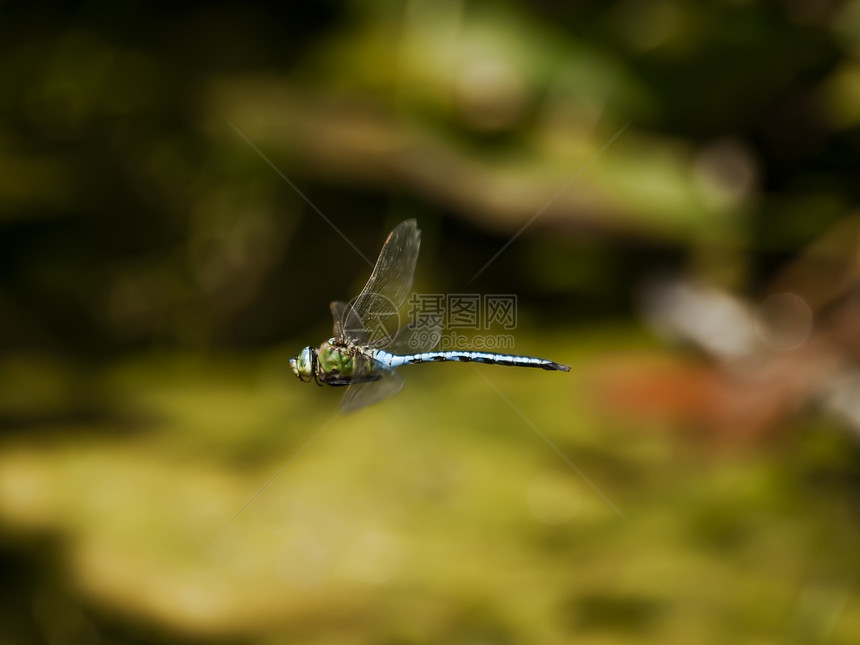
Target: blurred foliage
column 133, row 213
column 165, row 179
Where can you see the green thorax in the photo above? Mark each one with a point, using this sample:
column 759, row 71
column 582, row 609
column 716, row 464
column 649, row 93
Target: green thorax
column 336, row 359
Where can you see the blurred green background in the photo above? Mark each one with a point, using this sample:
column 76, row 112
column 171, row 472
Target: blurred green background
column 157, row 272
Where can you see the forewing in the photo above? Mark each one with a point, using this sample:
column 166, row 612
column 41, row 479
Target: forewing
column 389, row 283
column 362, row 394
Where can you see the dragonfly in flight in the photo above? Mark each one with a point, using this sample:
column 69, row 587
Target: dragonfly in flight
column 363, row 356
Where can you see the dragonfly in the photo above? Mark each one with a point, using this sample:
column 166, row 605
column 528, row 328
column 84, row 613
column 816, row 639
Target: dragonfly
column 363, row 356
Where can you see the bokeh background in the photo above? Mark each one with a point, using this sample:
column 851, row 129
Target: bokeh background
column 165, row 178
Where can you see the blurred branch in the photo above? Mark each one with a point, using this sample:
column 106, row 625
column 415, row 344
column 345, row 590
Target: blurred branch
column 643, row 186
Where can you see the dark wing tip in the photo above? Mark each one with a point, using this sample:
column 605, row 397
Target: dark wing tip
column 562, row 368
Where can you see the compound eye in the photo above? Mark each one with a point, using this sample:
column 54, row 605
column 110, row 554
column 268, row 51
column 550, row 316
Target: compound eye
column 303, row 366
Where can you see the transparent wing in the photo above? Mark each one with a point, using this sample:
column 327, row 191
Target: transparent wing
column 388, row 286
column 422, row 335
column 344, row 318
column 362, row 394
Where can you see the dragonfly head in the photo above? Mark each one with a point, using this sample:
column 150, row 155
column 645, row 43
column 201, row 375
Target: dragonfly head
column 303, row 365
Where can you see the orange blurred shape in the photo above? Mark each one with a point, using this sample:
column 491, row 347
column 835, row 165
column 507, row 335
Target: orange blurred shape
column 656, row 392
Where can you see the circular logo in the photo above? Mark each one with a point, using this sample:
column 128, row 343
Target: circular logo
column 372, row 321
